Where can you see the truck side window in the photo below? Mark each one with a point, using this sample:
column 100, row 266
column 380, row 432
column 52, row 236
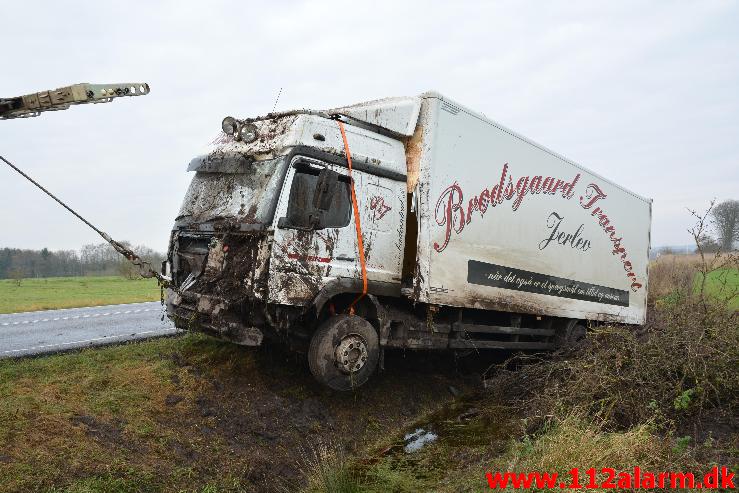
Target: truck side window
column 300, row 205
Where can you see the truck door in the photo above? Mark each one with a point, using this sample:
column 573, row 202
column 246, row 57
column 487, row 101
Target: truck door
column 382, row 210
column 305, row 255
column 304, row 259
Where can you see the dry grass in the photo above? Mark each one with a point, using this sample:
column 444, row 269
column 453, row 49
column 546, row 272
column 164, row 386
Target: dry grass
column 327, row 470
column 571, row 442
column 681, row 366
column 672, row 275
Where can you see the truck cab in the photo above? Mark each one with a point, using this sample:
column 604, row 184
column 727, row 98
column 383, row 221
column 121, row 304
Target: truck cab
column 255, row 253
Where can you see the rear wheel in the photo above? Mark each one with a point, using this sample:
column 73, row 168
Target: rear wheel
column 343, row 352
column 571, row 335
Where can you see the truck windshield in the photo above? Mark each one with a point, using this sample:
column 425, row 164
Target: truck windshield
column 248, row 196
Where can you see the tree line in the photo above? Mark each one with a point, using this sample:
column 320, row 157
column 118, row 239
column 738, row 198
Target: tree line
column 725, row 225
column 91, row 260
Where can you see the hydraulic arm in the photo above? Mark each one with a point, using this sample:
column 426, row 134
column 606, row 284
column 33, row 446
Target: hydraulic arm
column 64, row 97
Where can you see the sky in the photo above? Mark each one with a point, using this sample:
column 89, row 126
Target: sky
column 643, row 93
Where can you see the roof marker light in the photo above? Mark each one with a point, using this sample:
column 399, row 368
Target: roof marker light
column 229, row 125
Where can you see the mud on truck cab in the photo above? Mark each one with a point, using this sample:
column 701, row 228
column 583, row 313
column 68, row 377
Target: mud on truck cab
column 266, row 243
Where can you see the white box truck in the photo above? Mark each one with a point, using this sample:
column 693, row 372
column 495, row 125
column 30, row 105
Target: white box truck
column 400, row 223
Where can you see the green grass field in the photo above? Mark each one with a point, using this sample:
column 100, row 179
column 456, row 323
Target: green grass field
column 722, row 284
column 71, row 292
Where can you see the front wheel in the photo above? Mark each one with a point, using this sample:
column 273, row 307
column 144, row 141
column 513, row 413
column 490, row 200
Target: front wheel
column 343, row 352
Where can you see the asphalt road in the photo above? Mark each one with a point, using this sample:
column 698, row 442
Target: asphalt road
column 50, row 331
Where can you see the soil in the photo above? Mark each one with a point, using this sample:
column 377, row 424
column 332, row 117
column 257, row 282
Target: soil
column 267, row 413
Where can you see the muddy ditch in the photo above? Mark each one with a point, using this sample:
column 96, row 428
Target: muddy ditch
column 262, row 408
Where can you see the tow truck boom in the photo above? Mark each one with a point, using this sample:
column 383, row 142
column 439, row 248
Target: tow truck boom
column 62, row 98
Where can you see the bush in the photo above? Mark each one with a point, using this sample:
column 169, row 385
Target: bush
column 680, row 365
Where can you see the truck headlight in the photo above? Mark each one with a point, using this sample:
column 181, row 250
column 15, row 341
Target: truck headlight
column 248, row 132
column 229, row 125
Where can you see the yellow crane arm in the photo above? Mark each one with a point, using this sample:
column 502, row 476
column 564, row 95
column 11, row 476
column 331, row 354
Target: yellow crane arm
column 64, row 97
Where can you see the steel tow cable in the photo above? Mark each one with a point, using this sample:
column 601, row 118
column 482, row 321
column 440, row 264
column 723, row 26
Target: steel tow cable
column 144, row 267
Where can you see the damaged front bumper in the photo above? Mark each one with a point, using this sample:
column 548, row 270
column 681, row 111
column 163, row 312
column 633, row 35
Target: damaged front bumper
column 219, row 284
column 211, row 315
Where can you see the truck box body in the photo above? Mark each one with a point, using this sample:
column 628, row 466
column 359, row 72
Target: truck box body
column 506, row 224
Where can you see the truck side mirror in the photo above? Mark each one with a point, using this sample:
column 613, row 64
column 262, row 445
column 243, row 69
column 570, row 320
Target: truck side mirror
column 325, row 189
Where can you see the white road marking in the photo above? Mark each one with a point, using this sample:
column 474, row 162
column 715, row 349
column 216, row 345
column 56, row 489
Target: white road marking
column 87, row 341
column 75, row 317
column 6, row 315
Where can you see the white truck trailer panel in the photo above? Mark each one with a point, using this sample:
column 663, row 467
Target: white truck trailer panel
column 506, row 224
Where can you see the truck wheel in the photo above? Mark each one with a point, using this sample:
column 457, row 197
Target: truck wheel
column 344, row 352
column 572, row 336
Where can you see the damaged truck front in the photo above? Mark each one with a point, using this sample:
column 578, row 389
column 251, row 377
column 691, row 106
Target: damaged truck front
column 262, row 245
column 280, row 237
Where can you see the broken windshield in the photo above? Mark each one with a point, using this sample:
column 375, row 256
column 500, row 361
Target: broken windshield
column 248, row 196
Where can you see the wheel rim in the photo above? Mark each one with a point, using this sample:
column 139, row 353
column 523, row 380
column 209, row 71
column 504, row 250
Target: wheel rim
column 350, row 355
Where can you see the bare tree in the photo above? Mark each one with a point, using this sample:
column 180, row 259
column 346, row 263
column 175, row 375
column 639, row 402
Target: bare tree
column 99, row 259
column 707, row 244
column 719, row 263
column 128, row 270
column 726, row 223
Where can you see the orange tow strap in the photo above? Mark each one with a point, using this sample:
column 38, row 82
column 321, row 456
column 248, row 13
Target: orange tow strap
column 357, row 222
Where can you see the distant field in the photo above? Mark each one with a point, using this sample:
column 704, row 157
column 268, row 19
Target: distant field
column 71, row 292
column 722, row 284
column 671, row 274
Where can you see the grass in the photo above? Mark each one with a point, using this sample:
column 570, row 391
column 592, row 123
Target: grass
column 662, row 398
column 446, row 468
column 722, row 284
column 98, row 420
column 72, row 292
column 188, row 414
column 50, row 405
column 672, row 277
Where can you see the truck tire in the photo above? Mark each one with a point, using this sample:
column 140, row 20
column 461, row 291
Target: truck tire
column 571, row 336
column 343, row 352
